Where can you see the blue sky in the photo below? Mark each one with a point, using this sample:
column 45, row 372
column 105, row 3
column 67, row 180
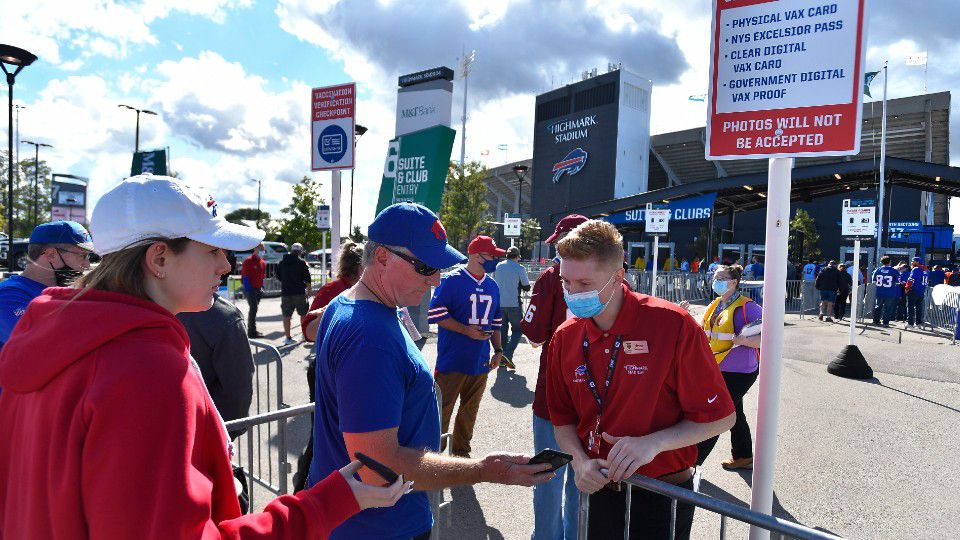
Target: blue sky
column 231, row 78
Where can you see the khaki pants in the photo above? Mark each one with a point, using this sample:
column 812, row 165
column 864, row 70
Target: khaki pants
column 469, row 388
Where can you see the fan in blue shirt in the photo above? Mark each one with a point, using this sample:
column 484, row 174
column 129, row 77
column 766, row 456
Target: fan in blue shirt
column 887, row 281
column 918, row 287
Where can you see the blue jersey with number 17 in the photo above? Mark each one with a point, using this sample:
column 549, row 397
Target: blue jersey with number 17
column 886, row 279
column 472, row 302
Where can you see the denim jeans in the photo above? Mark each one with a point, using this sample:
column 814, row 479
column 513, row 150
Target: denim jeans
column 511, row 323
column 553, row 517
column 914, row 308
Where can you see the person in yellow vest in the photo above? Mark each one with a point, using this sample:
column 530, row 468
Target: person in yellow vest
column 668, row 264
column 732, row 324
column 640, row 263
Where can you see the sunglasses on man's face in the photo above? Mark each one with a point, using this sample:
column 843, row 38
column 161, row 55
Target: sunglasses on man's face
column 419, row 266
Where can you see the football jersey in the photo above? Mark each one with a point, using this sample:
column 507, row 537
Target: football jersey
column 919, row 278
column 472, row 302
column 887, row 280
column 810, row 272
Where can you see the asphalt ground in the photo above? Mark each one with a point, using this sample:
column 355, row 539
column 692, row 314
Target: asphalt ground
column 860, row 459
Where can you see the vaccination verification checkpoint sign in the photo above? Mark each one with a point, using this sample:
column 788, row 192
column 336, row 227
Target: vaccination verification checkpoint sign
column 332, row 112
column 786, row 78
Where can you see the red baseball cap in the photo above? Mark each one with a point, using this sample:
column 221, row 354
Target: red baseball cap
column 566, row 224
column 485, row 245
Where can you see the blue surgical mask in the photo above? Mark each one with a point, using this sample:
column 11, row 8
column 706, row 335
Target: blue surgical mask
column 587, row 304
column 721, row 287
column 490, row 266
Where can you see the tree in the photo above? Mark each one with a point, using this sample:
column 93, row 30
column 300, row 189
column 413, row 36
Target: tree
column 529, row 235
column 301, row 225
column 804, row 227
column 24, row 174
column 248, row 214
column 357, row 236
column 464, row 207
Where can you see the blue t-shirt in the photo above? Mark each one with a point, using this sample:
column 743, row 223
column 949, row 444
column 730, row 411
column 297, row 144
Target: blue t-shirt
column 919, row 277
column 370, row 377
column 471, row 302
column 810, row 272
column 15, row 293
column 937, row 277
column 887, row 280
column 509, row 276
column 757, row 270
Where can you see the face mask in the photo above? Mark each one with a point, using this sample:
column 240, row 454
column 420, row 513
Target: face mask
column 490, row 266
column 721, row 287
column 65, row 275
column 587, row 304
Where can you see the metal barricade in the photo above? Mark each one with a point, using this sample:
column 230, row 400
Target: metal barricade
column 778, row 527
column 943, row 317
column 265, row 465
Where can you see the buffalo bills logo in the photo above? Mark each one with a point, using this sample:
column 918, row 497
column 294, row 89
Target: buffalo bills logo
column 570, row 164
column 581, row 370
column 439, row 231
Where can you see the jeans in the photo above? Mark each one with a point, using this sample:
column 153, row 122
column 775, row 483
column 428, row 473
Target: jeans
column 511, row 320
column 253, row 300
column 886, row 306
column 553, row 518
column 915, row 308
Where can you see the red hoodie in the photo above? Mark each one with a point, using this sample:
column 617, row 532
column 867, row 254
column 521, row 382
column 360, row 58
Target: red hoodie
column 108, row 432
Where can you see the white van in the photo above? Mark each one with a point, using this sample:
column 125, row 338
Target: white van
column 272, row 253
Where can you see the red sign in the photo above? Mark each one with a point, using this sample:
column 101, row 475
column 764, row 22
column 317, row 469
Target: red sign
column 332, row 112
column 786, row 78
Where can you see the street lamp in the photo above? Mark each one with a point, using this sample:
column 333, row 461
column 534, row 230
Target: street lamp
column 36, row 174
column 520, row 171
column 136, row 142
column 358, row 132
column 257, row 180
column 13, row 56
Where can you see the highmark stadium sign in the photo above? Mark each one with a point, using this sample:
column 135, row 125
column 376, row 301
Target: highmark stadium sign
column 572, row 130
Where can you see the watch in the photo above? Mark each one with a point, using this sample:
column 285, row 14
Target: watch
column 498, row 351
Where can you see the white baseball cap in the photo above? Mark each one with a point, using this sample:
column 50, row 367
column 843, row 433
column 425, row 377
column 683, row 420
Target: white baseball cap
column 297, row 246
column 148, row 206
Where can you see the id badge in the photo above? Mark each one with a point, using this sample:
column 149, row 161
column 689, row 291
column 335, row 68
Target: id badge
column 593, row 439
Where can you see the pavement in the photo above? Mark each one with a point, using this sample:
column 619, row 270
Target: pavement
column 860, row 459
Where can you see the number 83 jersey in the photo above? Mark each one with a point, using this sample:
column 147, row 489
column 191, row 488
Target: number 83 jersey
column 471, row 301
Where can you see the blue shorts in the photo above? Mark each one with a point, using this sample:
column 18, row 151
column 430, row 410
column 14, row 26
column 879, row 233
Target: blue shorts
column 828, row 296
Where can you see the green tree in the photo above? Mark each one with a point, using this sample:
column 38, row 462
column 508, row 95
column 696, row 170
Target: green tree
column 357, row 236
column 248, row 214
column 301, row 225
column 529, row 235
column 23, row 195
column 464, row 207
column 804, row 226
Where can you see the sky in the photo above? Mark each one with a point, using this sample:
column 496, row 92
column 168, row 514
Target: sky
column 231, row 79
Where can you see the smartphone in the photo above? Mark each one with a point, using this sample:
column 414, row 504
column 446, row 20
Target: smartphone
column 555, row 458
column 385, row 472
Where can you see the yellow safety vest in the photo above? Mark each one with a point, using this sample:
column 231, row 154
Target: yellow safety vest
column 719, row 329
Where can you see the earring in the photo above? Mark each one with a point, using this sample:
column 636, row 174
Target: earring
column 160, row 276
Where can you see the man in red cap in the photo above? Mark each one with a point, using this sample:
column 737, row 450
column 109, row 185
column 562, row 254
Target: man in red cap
column 553, row 517
column 466, row 307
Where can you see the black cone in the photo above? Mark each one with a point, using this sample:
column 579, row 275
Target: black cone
column 851, row 364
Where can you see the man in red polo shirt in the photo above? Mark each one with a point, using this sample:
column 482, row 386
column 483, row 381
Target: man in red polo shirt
column 632, row 388
column 252, row 273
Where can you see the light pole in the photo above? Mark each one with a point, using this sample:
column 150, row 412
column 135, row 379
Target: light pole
column 18, row 107
column 136, row 141
column 358, row 132
column 13, row 56
column 520, row 171
column 36, row 175
column 257, row 180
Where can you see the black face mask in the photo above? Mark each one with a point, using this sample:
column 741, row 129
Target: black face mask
column 65, row 275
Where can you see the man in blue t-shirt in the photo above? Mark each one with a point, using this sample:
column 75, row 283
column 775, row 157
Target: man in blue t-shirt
column 466, row 307
column 937, row 276
column 915, row 293
column 810, row 271
column 887, row 281
column 374, row 390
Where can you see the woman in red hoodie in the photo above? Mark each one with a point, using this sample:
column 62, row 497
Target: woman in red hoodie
column 108, row 431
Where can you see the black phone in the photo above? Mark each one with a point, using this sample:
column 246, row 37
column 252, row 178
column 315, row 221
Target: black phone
column 555, row 458
column 385, row 472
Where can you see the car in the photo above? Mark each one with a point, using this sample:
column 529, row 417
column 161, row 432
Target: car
column 19, row 252
column 272, row 253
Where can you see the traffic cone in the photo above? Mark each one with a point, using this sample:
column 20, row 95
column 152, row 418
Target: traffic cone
column 850, row 364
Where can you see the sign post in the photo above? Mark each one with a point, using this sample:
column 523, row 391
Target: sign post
column 786, row 82
column 657, row 224
column 511, row 227
column 858, row 221
column 332, row 115
column 323, row 223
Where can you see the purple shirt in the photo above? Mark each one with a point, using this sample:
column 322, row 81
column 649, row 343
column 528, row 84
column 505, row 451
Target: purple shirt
column 743, row 359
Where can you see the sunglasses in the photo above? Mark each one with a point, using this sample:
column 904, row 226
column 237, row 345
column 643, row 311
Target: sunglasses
column 85, row 255
column 419, row 266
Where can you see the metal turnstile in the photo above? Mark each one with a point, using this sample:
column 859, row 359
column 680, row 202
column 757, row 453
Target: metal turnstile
column 730, row 253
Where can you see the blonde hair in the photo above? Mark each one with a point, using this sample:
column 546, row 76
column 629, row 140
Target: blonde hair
column 122, row 271
column 350, row 260
column 593, row 239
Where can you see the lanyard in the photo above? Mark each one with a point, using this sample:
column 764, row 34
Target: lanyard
column 721, row 307
column 594, row 438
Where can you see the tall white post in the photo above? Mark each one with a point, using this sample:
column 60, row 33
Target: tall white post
column 855, row 290
column 771, row 340
column 656, row 251
column 323, row 259
column 335, row 218
column 883, row 167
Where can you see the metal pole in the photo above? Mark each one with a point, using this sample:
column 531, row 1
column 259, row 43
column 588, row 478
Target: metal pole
column 771, row 340
column 258, row 198
column 10, row 173
column 855, row 289
column 136, row 140
column 883, row 167
column 350, row 224
column 463, row 121
column 323, row 258
column 36, row 180
column 653, row 276
column 335, row 219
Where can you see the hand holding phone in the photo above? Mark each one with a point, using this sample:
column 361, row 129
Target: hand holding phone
column 555, row 458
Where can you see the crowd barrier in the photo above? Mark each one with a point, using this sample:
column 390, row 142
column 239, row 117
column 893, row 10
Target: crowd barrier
column 778, row 528
column 271, row 285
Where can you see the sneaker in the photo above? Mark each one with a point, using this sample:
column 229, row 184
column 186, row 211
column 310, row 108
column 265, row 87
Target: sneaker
column 829, row 319
column 508, row 363
column 820, row 317
column 733, row 464
column 289, row 341
column 909, row 326
column 255, row 334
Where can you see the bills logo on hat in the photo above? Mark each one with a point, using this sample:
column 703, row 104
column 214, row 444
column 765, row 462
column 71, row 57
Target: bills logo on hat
column 439, row 231
column 570, row 164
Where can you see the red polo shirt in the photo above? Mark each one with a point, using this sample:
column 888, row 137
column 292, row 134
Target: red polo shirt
column 664, row 373
column 546, row 312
